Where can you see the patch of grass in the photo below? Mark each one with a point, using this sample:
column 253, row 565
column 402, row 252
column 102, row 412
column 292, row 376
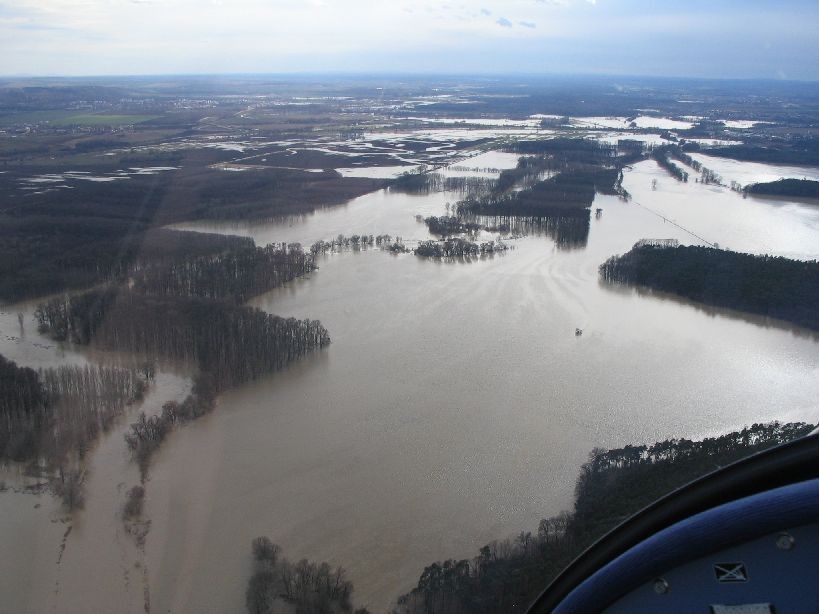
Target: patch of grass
column 72, row 118
column 92, row 119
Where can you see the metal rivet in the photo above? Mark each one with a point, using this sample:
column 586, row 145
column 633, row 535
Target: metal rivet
column 785, row 541
column 660, row 586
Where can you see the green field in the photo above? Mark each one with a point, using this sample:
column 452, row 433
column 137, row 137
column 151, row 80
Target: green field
column 71, row 118
column 91, row 119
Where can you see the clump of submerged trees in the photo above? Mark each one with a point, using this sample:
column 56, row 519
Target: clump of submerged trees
column 660, row 156
column 458, row 248
column 232, row 343
column 228, row 343
column 46, row 414
column 238, row 274
column 148, row 433
column 424, row 183
column 341, row 242
column 765, row 285
column 801, row 188
column 614, row 484
column 445, row 226
column 50, row 418
column 312, row 588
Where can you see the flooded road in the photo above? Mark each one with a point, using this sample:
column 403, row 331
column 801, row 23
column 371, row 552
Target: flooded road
column 454, row 405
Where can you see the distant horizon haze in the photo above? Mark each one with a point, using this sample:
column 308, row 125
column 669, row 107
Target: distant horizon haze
column 716, row 40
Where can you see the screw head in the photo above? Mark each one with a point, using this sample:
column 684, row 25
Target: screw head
column 785, row 541
column 661, row 586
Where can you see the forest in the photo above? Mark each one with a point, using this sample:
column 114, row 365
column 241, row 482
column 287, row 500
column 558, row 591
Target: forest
column 62, row 239
column 769, row 286
column 46, row 414
column 50, row 418
column 797, row 150
column 426, row 182
column 237, row 274
column 507, row 575
column 225, row 342
column 800, row 188
column 41, row 255
column 229, row 342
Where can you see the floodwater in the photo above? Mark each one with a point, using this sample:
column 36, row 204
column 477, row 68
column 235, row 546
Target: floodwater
column 454, row 405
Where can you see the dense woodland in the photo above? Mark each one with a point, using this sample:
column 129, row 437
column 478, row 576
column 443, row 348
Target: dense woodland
column 799, row 150
column 47, row 414
column 800, row 188
column 614, row 484
column 236, row 274
column 50, row 418
column 229, row 342
column 41, row 255
column 770, row 286
column 427, row 182
column 95, row 232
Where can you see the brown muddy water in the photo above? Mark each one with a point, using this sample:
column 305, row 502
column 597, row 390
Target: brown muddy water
column 454, row 406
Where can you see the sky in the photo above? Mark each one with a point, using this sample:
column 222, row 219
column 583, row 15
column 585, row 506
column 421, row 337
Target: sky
column 695, row 38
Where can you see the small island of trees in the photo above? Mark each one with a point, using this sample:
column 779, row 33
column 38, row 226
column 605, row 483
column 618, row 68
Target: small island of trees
column 800, row 188
column 765, row 285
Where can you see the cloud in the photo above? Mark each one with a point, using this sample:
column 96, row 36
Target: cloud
column 504, row 22
column 486, row 12
column 527, row 24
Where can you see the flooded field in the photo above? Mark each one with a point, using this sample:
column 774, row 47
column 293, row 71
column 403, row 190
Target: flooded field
column 454, row 405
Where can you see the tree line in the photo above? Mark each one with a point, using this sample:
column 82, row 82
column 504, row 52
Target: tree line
column 770, row 286
column 232, row 343
column 458, row 248
column 50, row 418
column 45, row 415
column 237, row 274
column 43, row 254
column 660, row 156
column 801, row 188
column 567, row 194
column 227, row 343
column 507, row 575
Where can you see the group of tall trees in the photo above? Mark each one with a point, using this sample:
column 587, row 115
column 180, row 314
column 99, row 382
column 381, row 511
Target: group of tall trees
column 311, row 588
column 507, row 575
column 42, row 254
column 567, row 194
column 770, row 286
column 50, row 418
column 800, row 149
column 661, row 156
column 801, row 188
column 447, row 225
column 237, row 274
column 458, row 248
column 232, row 343
column 226, row 342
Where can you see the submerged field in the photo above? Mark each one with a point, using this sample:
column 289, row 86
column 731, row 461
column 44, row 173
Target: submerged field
column 455, row 403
